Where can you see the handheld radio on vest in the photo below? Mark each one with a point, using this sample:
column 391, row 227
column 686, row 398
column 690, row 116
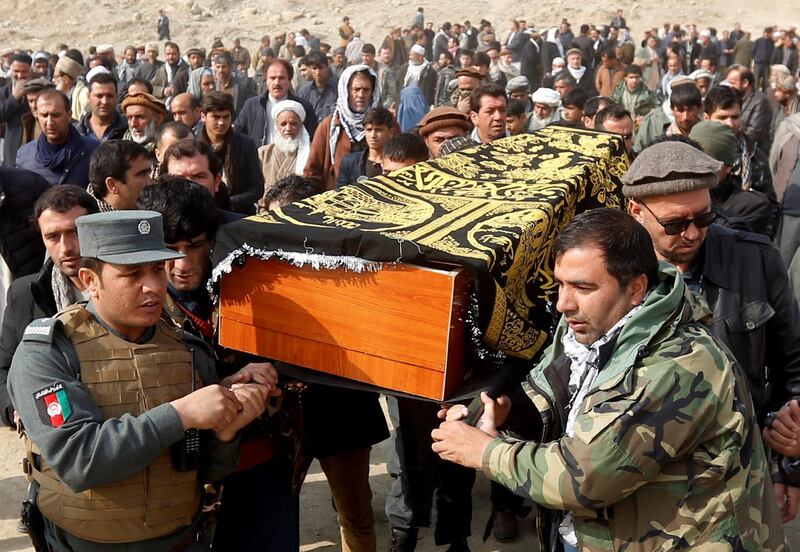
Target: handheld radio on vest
column 186, row 452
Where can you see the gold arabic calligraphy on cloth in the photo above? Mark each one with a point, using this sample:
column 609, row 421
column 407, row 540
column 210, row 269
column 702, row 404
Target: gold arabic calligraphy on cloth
column 498, row 205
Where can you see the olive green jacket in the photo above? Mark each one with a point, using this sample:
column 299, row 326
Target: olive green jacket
column 666, row 453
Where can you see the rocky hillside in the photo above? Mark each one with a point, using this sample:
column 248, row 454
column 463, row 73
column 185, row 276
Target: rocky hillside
column 45, row 23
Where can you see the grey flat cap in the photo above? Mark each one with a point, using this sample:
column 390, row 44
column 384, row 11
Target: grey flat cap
column 670, row 168
column 124, row 237
column 518, row 83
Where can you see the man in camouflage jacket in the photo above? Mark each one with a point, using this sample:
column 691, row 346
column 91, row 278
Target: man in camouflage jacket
column 656, row 447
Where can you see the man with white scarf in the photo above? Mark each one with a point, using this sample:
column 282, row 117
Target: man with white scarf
column 578, row 71
column 633, row 390
column 288, row 152
column 343, row 130
column 546, row 102
column 126, row 70
column 418, row 72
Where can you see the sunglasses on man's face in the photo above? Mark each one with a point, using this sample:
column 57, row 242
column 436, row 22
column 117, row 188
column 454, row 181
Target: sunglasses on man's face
column 679, row 226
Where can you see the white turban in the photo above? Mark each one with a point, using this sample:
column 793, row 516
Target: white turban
column 288, row 105
column 546, row 96
column 94, row 71
column 304, row 147
column 417, row 49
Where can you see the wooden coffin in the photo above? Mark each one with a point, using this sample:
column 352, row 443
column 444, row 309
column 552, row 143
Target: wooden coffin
column 401, row 328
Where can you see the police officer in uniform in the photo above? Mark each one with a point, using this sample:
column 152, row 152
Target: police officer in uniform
column 106, row 395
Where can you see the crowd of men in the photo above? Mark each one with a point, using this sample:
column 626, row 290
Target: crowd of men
column 119, row 170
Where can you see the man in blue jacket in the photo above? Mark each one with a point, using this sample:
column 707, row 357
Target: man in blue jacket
column 60, row 155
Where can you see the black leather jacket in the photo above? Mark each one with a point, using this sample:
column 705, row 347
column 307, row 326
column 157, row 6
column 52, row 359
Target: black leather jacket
column 755, row 312
column 21, row 244
column 29, row 298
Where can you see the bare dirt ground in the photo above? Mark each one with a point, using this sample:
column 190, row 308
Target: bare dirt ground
column 318, row 528
column 80, row 23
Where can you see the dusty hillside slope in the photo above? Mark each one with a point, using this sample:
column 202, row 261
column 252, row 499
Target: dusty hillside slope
column 45, row 23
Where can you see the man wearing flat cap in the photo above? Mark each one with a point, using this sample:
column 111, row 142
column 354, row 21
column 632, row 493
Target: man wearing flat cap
column 519, row 88
column 145, row 114
column 583, row 76
column 106, row 395
column 741, row 275
column 441, row 124
column 32, row 88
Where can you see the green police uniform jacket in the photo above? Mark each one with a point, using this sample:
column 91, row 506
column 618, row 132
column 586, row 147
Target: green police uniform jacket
column 90, row 450
column 666, row 453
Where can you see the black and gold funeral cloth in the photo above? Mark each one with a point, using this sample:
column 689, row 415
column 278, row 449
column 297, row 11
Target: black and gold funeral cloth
column 494, row 209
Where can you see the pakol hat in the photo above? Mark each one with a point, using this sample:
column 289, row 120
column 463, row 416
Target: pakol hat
column 680, row 81
column 124, row 237
column 70, row 67
column 145, row 99
column 469, row 72
column 670, row 168
column 443, row 117
column 697, row 75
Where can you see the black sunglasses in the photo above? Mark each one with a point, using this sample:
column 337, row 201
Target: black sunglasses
column 675, row 227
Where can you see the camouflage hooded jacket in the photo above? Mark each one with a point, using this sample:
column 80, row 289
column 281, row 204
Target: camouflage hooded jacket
column 666, row 453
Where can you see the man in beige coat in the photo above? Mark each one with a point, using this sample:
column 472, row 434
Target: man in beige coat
column 288, row 153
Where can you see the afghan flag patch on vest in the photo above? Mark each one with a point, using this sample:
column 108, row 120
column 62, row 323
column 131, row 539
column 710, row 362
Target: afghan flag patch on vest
column 53, row 405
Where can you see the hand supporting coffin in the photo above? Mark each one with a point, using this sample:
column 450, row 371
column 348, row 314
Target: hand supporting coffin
column 460, row 443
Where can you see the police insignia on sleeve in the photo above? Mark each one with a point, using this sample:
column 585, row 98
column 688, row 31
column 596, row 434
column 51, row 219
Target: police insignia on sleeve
column 53, row 405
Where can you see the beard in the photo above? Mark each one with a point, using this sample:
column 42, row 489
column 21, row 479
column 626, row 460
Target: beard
column 537, row 123
column 286, row 145
column 147, row 136
column 677, row 256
